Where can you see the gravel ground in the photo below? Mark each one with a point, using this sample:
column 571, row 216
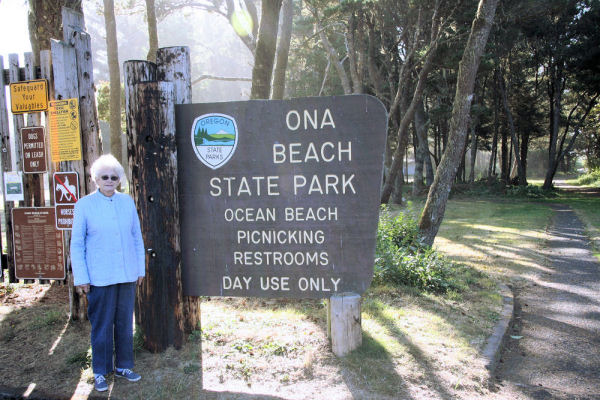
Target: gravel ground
column 553, row 349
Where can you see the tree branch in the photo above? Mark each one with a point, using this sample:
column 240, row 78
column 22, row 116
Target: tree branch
column 219, row 78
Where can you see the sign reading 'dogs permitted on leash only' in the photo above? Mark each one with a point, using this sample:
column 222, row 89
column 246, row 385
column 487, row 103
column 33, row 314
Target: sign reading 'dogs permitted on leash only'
column 280, row 198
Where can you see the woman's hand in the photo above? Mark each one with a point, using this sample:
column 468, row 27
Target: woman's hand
column 139, row 280
column 84, row 288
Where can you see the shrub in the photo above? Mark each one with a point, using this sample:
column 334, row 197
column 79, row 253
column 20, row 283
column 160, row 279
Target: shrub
column 401, row 257
column 592, row 178
column 530, row 191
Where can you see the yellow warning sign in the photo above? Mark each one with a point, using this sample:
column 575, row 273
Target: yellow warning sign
column 29, row 96
column 65, row 136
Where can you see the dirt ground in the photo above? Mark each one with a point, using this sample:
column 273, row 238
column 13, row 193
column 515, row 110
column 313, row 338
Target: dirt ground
column 414, row 347
column 248, row 349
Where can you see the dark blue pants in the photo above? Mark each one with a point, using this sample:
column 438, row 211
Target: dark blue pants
column 110, row 310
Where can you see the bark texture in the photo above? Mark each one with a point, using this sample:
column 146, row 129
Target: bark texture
column 434, row 210
column 513, row 133
column 283, row 50
column 265, row 50
column 152, row 31
column 45, row 22
column 73, row 78
column 158, row 304
column 115, row 79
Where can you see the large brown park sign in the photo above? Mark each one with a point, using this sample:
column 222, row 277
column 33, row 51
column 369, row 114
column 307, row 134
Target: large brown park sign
column 280, row 198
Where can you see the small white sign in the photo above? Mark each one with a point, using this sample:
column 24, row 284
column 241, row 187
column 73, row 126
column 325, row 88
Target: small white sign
column 13, row 186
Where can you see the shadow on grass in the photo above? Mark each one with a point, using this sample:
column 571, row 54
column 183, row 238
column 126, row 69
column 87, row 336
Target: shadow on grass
column 371, row 367
column 427, row 369
column 41, row 350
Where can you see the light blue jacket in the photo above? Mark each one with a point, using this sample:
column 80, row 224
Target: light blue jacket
column 106, row 241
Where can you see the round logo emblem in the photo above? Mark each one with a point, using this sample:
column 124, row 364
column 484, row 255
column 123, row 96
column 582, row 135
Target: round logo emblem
column 214, row 139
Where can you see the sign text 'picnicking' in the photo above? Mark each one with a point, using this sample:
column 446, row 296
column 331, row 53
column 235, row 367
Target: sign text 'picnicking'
column 280, row 198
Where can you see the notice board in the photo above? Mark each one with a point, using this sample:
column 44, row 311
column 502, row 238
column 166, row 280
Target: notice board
column 280, row 198
column 38, row 245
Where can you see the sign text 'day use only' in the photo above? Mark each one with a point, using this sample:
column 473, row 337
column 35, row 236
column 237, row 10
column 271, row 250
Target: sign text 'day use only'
column 280, row 198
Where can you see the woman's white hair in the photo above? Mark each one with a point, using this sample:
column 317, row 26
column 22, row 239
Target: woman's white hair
column 107, row 161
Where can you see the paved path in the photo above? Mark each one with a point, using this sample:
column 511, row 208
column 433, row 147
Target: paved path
column 558, row 318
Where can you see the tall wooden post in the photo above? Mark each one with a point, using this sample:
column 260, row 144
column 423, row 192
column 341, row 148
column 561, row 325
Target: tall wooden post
column 5, row 167
column 161, row 309
column 46, row 73
column 73, row 78
column 159, row 301
column 33, row 183
column 174, row 65
column 18, row 123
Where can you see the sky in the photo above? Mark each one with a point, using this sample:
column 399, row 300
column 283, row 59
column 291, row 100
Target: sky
column 14, row 36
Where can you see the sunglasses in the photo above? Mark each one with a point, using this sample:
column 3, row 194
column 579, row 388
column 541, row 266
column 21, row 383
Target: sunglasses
column 112, row 178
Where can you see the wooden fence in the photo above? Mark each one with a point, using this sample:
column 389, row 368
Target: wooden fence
column 69, row 71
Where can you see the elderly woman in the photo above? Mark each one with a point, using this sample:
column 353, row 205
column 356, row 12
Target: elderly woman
column 107, row 257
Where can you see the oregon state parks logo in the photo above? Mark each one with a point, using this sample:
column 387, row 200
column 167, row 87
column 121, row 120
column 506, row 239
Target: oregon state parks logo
column 214, row 139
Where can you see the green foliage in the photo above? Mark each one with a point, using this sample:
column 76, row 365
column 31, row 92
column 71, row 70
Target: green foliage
column 103, row 99
column 191, row 368
column 81, row 359
column 481, row 187
column 277, row 349
column 401, row 257
column 243, row 347
column 195, row 336
column 592, row 178
column 50, row 318
column 530, row 191
column 200, row 136
column 138, row 339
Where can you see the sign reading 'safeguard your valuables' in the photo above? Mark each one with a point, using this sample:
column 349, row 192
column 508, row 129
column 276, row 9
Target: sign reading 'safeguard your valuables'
column 280, row 198
column 29, row 96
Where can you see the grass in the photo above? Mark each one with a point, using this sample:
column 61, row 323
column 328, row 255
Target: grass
column 415, row 344
column 499, row 238
column 587, row 209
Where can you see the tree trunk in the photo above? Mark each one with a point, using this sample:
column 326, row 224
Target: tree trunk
column 265, row 50
column 45, row 22
column 511, row 127
column 494, row 155
column 396, row 196
column 283, row 49
column 422, row 150
column 152, row 31
column 115, row 80
column 524, row 150
column 555, row 94
column 433, row 213
column 350, row 41
column 562, row 152
column 405, row 122
column 333, row 55
column 473, row 151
